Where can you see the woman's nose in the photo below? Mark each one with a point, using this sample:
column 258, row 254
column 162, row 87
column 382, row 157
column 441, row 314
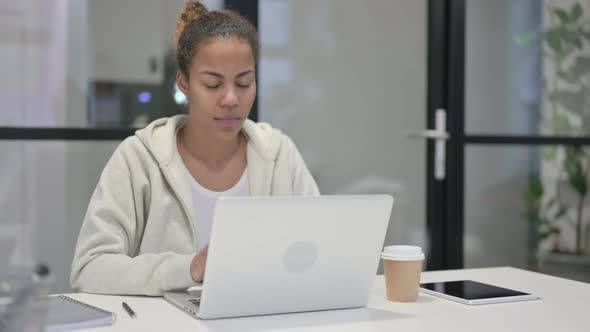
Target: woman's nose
column 229, row 98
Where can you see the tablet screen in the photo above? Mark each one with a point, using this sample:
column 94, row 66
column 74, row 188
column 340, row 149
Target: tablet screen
column 470, row 290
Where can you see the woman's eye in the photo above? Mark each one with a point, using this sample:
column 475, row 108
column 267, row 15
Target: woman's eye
column 213, row 86
column 243, row 85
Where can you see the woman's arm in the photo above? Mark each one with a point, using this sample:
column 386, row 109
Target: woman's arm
column 109, row 237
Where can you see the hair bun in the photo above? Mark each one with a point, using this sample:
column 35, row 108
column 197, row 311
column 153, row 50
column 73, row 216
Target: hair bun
column 192, row 11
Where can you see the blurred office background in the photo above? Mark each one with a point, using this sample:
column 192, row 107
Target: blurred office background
column 347, row 80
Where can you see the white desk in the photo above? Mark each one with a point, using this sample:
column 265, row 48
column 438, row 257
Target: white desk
column 565, row 306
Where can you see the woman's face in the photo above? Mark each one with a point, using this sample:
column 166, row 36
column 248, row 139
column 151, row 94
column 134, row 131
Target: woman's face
column 221, row 86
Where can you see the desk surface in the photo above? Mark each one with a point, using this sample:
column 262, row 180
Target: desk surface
column 564, row 306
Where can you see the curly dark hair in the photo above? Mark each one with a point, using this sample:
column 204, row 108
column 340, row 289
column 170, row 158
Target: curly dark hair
column 196, row 24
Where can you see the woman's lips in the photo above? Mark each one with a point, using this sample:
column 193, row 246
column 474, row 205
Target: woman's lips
column 227, row 121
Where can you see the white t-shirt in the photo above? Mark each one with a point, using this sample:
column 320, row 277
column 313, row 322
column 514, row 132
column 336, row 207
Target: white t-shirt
column 204, row 204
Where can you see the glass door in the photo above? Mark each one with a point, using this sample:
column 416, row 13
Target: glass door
column 347, row 81
column 519, row 91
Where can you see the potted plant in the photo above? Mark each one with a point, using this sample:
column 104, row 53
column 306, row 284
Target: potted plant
column 557, row 196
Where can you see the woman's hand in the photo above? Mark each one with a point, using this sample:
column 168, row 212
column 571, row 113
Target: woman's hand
column 198, row 265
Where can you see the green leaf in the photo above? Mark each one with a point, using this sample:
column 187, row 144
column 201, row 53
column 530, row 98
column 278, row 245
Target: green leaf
column 532, row 196
column 571, row 37
column 570, row 163
column 546, row 233
column 578, row 182
column 561, row 212
column 535, row 188
column 528, row 197
column 531, row 199
column 546, row 230
column 576, row 12
column 573, row 168
column 562, row 14
column 553, row 38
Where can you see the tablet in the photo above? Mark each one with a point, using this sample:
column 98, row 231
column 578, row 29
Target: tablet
column 473, row 292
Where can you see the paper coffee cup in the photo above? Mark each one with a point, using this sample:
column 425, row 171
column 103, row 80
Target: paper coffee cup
column 402, row 265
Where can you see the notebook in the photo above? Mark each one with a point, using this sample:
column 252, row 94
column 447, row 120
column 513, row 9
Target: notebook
column 65, row 313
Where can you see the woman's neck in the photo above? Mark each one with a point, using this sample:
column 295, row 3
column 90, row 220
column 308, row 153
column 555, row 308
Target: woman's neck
column 206, row 148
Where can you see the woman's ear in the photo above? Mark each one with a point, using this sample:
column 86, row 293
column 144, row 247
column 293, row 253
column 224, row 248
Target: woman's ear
column 182, row 82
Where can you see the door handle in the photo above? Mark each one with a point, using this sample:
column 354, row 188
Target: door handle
column 440, row 135
column 431, row 134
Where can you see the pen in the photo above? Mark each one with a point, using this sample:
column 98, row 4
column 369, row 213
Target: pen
column 129, row 310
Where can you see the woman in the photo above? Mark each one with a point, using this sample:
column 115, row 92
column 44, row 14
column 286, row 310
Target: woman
column 148, row 222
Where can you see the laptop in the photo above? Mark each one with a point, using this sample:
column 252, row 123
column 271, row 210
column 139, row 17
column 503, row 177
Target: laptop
column 273, row 255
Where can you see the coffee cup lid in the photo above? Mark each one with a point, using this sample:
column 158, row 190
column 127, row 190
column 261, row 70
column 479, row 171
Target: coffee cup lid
column 402, row 253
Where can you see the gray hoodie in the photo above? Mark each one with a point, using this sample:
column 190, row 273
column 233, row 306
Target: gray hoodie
column 138, row 235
